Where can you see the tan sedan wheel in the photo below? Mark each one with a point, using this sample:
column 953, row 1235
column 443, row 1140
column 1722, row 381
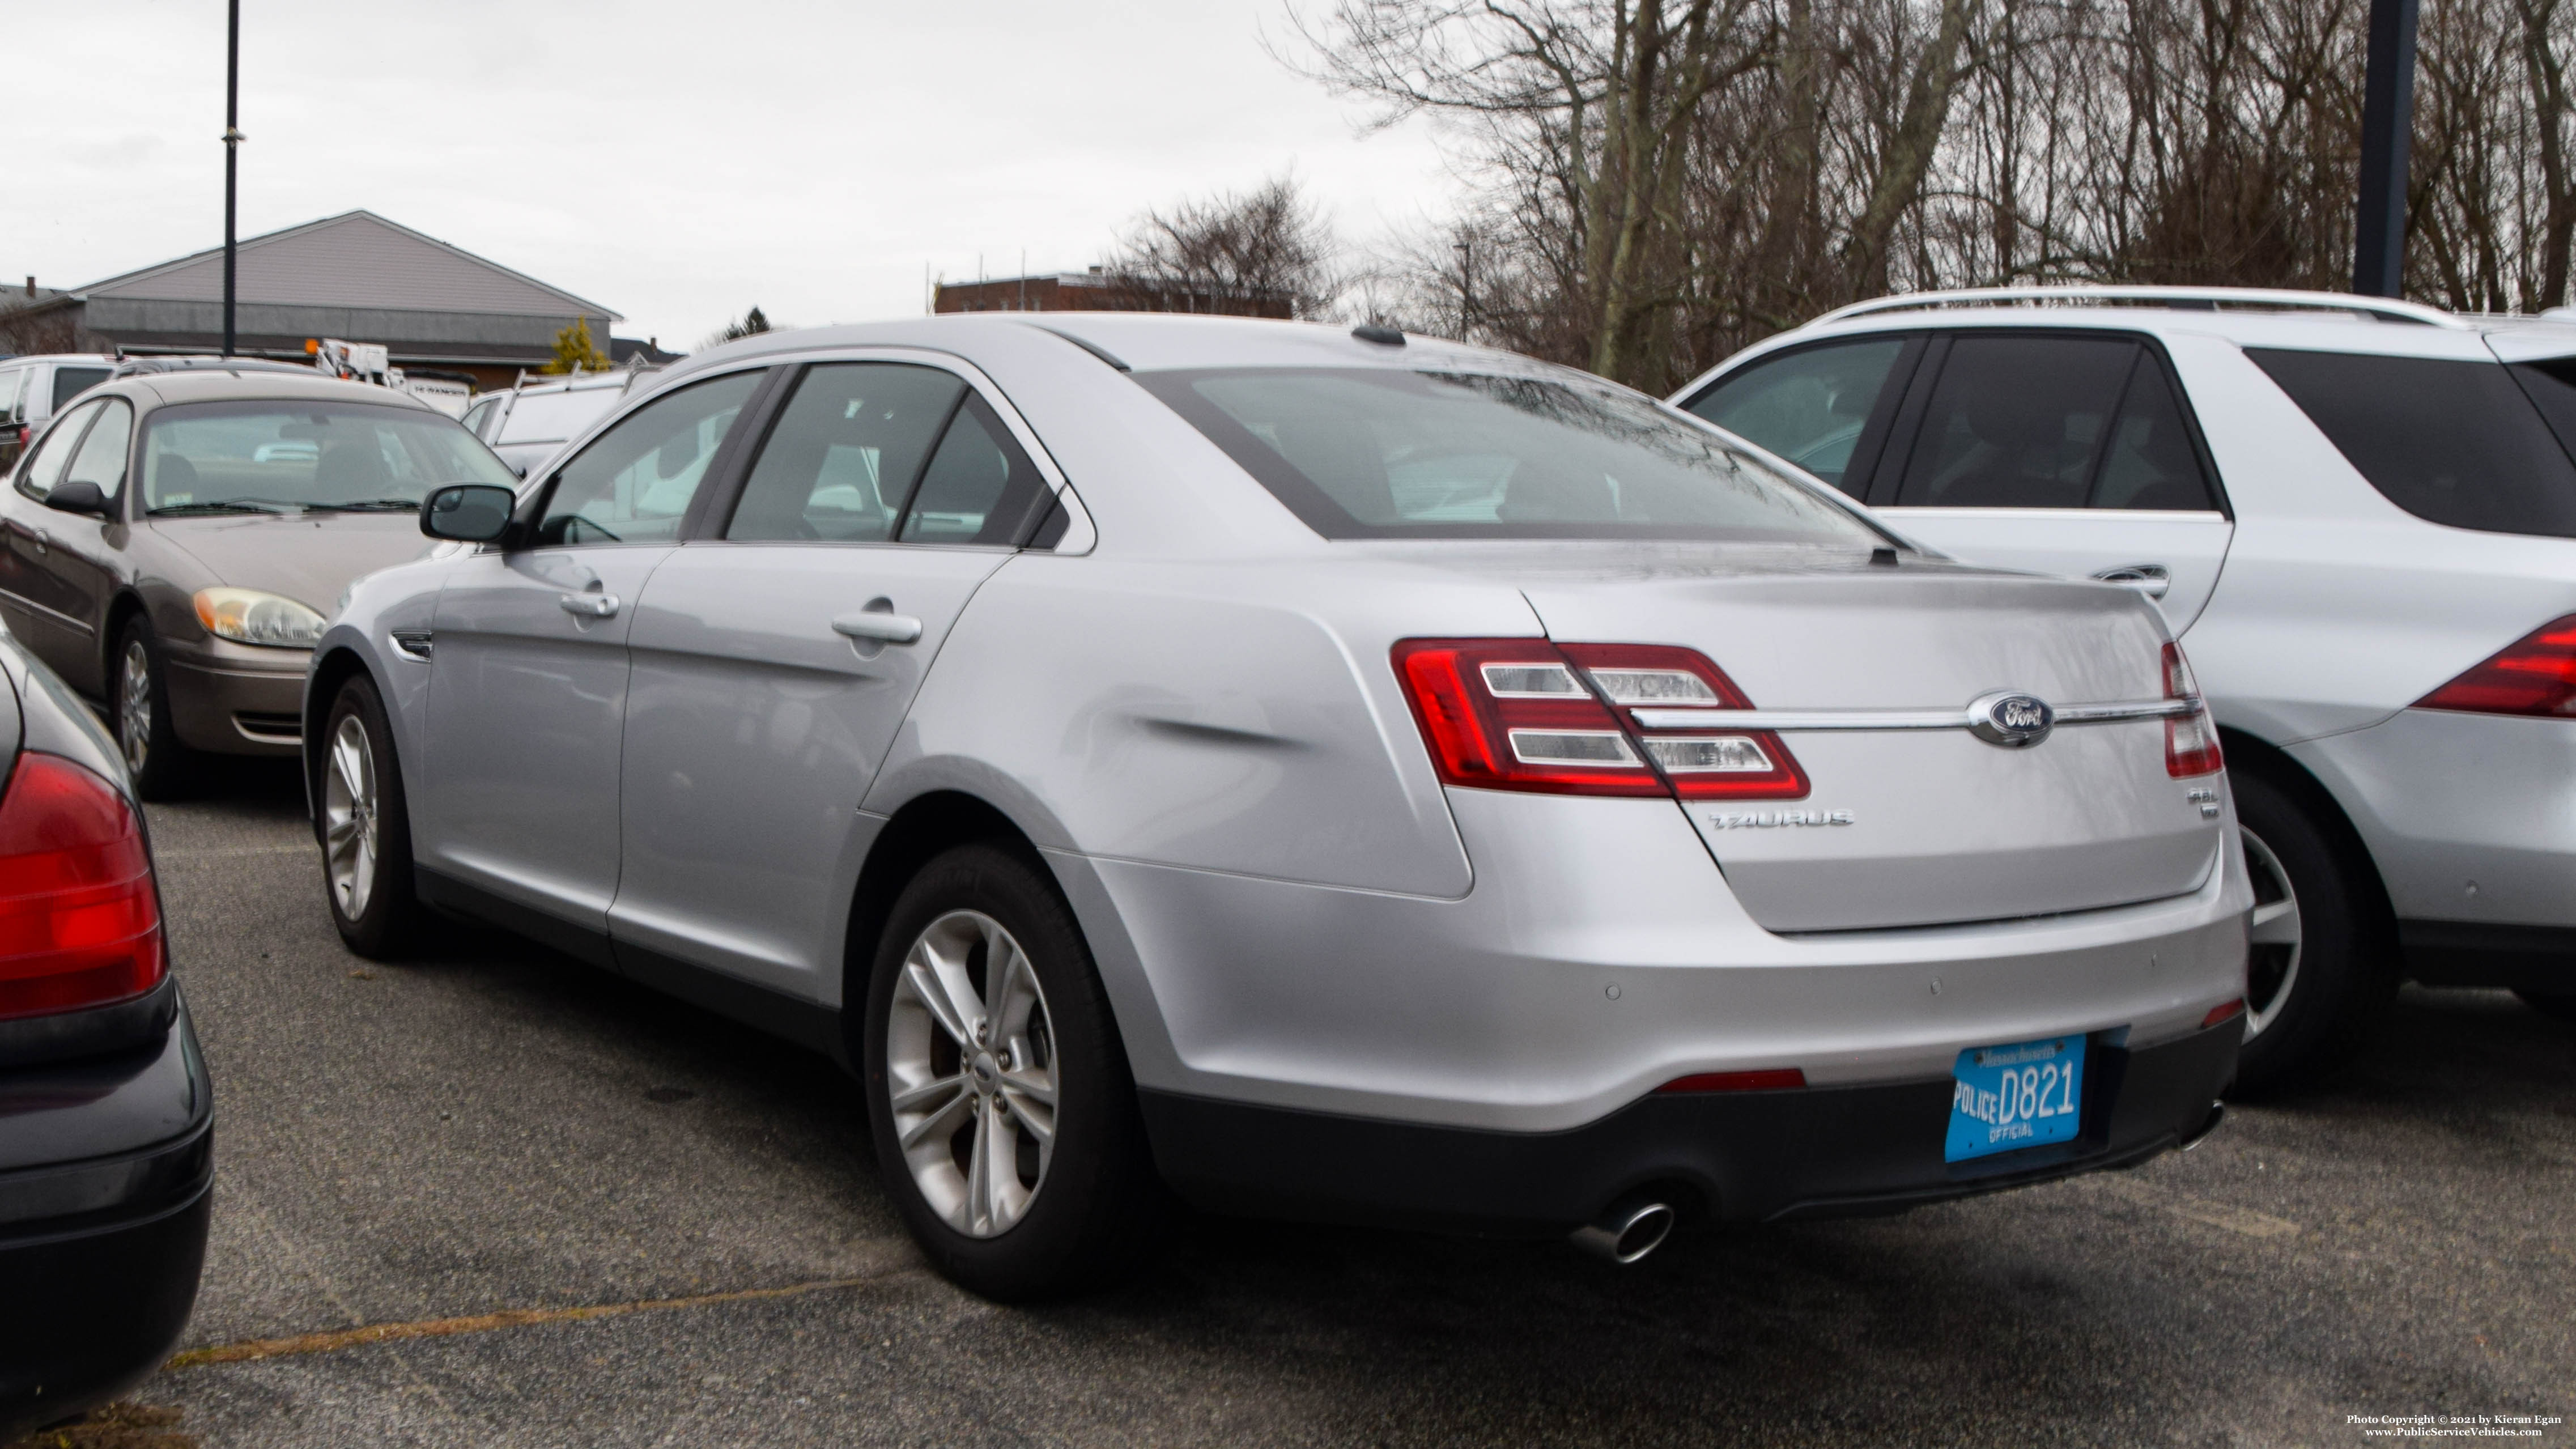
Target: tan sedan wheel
column 139, row 707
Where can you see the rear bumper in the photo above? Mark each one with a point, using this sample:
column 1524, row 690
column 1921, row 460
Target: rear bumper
column 233, row 707
column 2470, row 818
column 1750, row 1157
column 101, row 1237
column 2467, row 953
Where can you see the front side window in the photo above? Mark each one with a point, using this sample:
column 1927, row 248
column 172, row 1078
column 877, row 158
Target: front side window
column 1381, row 453
column 101, row 459
column 71, row 382
column 273, row 456
column 1809, row 406
column 54, row 453
column 12, row 383
column 633, row 483
column 2451, row 442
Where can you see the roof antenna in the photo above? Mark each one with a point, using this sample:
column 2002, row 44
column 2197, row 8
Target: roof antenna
column 1382, row 336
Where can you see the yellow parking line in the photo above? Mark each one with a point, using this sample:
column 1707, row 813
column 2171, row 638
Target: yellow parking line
column 336, row 1339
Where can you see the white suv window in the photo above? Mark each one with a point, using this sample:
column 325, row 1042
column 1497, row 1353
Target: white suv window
column 2451, row 442
column 2066, row 421
column 1809, row 406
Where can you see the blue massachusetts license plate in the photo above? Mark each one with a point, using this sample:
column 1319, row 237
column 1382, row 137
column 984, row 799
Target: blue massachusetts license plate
column 2003, row 1098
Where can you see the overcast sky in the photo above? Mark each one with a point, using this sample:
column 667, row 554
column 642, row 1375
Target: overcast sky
column 676, row 162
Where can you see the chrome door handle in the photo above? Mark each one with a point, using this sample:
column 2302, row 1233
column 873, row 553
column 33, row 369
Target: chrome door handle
column 2151, row 580
column 589, row 606
column 878, row 626
column 44, row 542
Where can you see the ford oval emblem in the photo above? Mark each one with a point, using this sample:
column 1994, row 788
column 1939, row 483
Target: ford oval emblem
column 2013, row 720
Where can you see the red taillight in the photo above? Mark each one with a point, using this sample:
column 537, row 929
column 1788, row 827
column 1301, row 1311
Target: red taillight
column 2191, row 740
column 2536, row 674
column 1528, row 714
column 1773, row 1080
column 80, row 922
column 2223, row 1011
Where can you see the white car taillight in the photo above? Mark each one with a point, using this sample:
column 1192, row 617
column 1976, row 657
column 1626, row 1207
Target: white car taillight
column 1530, row 714
column 2535, row 674
column 80, row 919
column 2191, row 740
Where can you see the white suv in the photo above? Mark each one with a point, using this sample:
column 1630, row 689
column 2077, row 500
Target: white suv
column 2360, row 518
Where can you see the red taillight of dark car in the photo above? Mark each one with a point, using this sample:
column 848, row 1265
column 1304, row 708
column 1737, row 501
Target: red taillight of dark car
column 1529, row 714
column 2535, row 674
column 2191, row 741
column 80, row 919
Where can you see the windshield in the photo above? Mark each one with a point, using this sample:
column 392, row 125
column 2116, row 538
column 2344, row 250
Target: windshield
column 1377, row 453
column 272, row 455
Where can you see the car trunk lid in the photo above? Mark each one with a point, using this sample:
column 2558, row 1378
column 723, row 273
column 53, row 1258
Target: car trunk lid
column 1909, row 826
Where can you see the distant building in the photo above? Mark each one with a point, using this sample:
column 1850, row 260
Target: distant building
column 355, row 276
column 1096, row 291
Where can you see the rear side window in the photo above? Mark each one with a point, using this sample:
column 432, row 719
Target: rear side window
column 2455, row 443
column 53, row 452
column 845, row 453
column 1809, row 406
column 1384, row 453
column 10, row 383
column 71, row 382
column 979, row 485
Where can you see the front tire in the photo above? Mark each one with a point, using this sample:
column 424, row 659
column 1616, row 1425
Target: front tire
column 2322, row 964
column 1005, row 1120
column 139, row 705
column 364, row 826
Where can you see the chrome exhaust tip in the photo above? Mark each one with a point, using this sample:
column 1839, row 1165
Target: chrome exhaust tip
column 1630, row 1230
column 2199, row 1134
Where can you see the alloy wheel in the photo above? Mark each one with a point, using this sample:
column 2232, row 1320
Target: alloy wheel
column 971, row 1073
column 2272, row 970
column 134, row 706
column 349, row 817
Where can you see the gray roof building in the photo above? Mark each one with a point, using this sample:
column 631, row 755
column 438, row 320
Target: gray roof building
column 355, row 276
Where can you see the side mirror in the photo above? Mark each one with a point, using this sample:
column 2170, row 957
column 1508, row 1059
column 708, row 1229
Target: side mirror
column 467, row 512
column 79, row 496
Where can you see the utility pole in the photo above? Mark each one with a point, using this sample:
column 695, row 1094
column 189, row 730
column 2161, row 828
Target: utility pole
column 2387, row 125
column 232, row 160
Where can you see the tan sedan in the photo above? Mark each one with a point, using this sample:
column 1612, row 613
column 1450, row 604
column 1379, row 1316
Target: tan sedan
column 175, row 542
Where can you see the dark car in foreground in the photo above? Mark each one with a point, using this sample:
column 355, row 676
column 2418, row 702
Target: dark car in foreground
column 106, row 1114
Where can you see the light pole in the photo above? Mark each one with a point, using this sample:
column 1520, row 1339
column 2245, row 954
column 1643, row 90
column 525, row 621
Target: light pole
column 232, row 158
column 2387, row 124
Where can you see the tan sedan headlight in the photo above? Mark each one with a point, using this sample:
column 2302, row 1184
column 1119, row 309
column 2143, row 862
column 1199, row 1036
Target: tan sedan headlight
column 247, row 616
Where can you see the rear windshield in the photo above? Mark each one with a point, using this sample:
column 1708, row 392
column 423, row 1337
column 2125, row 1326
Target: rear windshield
column 551, row 417
column 1378, row 453
column 71, row 382
column 2453, row 442
column 269, row 457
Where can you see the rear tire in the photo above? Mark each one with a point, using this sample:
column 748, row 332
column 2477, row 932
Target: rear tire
column 2558, row 1004
column 364, row 826
column 1027, row 1175
column 139, row 706
column 2307, row 1006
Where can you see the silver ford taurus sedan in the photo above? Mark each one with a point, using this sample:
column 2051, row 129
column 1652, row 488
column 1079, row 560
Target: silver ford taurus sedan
column 1316, row 772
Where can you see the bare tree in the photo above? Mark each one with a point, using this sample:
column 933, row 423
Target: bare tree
column 1266, row 252
column 1654, row 183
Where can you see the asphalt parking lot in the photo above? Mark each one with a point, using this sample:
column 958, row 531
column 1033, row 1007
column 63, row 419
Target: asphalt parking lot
column 495, row 1197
